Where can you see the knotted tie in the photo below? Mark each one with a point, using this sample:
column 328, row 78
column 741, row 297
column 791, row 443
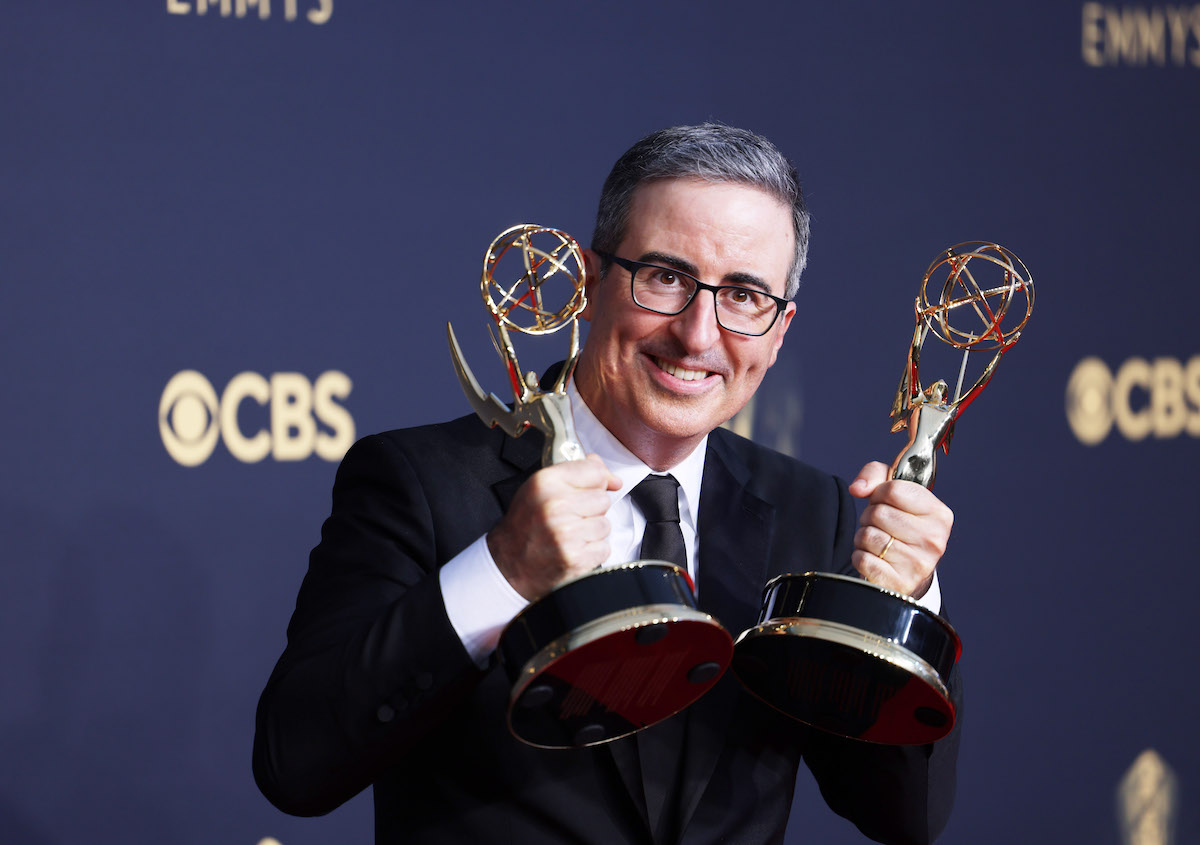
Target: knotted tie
column 657, row 497
column 661, row 747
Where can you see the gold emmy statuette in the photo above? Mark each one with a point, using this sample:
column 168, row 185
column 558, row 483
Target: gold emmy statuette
column 845, row 655
column 616, row 650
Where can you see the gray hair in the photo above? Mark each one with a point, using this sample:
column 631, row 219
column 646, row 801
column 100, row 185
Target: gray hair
column 710, row 151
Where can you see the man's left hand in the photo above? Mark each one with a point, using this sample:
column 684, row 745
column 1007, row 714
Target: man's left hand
column 903, row 534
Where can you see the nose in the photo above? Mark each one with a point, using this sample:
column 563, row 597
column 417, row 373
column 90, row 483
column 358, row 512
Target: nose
column 696, row 326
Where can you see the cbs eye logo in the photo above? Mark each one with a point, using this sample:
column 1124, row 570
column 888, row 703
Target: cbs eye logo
column 1142, row 398
column 192, row 418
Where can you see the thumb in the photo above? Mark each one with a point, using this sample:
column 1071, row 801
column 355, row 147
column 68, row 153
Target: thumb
column 611, row 482
column 869, row 477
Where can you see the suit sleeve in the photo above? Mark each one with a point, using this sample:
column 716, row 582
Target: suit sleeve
column 893, row 794
column 372, row 662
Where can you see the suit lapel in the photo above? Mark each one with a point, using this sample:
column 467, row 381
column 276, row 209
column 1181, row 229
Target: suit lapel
column 624, row 754
column 524, row 454
column 735, row 535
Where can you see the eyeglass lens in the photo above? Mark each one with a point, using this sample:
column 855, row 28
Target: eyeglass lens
column 667, row 291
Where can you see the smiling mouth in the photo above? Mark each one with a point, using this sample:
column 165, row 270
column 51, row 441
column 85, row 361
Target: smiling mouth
column 680, row 372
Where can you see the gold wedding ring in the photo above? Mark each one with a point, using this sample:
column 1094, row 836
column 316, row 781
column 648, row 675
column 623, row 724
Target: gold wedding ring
column 883, row 554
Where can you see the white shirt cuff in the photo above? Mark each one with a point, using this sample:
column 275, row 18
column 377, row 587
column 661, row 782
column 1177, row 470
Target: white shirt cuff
column 932, row 600
column 479, row 600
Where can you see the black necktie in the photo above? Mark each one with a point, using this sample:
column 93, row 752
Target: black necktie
column 657, row 497
column 661, row 747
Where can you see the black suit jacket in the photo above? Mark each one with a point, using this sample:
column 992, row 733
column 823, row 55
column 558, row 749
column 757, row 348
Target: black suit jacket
column 375, row 687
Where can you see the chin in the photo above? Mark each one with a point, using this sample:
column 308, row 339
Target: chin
column 680, row 423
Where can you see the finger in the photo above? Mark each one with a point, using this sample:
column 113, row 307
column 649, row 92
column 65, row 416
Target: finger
column 877, row 542
column 571, row 477
column 591, row 472
column 891, row 520
column 612, row 482
column 873, row 569
column 882, row 574
column 925, row 534
column 909, row 497
column 901, row 568
column 578, row 503
column 868, row 478
column 587, row 556
column 580, row 532
column 887, row 559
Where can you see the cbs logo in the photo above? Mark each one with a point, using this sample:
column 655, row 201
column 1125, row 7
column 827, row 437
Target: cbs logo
column 191, row 417
column 1159, row 397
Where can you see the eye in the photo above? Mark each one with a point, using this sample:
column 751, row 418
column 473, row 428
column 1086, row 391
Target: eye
column 664, row 277
column 744, row 300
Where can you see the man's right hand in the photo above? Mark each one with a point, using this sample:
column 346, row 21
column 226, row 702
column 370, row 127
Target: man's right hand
column 556, row 527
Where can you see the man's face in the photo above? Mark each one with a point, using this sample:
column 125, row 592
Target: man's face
column 661, row 383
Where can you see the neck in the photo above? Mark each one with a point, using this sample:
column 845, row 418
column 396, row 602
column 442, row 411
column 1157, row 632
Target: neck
column 658, row 451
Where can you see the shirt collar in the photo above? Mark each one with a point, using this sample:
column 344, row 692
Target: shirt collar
column 628, row 467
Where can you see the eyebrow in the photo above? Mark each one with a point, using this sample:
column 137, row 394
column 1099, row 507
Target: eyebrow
column 746, row 280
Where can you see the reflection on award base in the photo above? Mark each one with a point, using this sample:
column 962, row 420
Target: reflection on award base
column 608, row 654
column 859, row 661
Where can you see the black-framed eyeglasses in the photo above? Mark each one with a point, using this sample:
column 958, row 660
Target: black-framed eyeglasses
column 665, row 290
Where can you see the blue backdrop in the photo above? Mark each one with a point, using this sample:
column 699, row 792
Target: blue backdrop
column 286, row 201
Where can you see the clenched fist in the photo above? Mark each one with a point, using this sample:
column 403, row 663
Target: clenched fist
column 556, row 527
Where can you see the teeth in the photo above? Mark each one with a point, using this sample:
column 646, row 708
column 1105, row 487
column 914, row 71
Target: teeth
column 680, row 372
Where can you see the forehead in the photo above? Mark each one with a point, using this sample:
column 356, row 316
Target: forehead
column 722, row 228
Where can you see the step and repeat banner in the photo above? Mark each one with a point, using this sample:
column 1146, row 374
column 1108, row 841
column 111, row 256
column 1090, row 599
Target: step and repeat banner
column 232, row 233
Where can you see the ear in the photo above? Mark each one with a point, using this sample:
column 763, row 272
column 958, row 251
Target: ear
column 780, row 330
column 591, row 266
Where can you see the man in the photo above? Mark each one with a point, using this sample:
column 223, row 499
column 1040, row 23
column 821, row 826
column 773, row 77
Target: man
column 439, row 535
